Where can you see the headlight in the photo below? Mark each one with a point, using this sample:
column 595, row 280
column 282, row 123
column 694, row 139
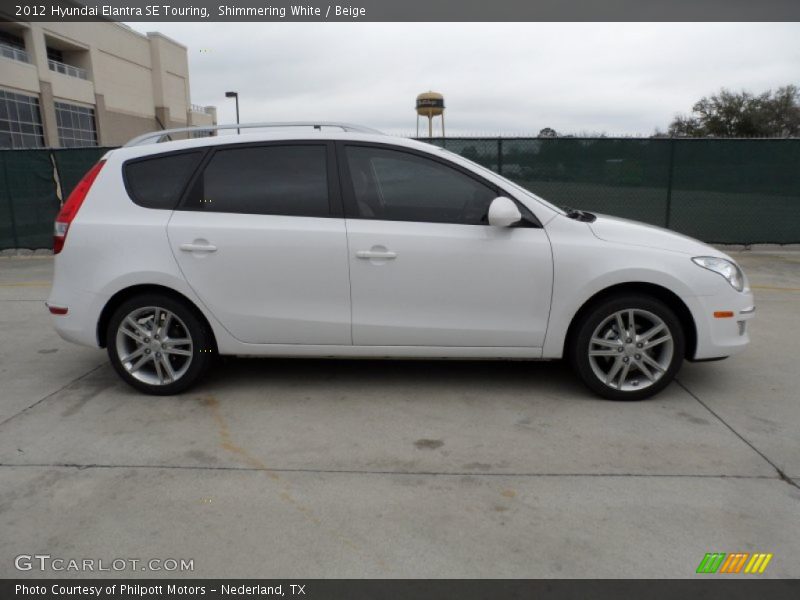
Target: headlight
column 729, row 270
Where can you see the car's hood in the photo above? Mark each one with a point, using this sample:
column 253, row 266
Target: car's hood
column 634, row 233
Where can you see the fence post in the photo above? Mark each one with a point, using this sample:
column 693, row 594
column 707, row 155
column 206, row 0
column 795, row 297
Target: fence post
column 499, row 156
column 670, row 173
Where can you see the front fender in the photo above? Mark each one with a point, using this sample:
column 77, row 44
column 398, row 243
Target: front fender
column 585, row 266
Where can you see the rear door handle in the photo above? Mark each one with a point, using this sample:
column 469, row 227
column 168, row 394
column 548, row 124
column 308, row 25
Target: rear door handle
column 380, row 254
column 198, row 247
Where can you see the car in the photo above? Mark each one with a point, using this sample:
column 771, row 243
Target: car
column 331, row 240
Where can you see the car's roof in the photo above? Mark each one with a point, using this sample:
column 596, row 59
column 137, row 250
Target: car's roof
column 248, row 137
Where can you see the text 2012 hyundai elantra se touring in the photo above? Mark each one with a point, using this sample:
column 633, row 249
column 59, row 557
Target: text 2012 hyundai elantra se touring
column 330, row 243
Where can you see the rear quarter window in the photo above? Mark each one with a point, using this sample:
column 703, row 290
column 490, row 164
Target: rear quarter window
column 158, row 181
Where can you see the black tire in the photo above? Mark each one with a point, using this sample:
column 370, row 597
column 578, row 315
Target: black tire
column 602, row 315
column 190, row 365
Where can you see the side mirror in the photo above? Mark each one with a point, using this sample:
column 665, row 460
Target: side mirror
column 503, row 212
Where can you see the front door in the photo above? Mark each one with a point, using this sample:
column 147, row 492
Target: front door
column 426, row 268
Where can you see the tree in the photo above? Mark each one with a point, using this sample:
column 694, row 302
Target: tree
column 741, row 114
column 548, row 132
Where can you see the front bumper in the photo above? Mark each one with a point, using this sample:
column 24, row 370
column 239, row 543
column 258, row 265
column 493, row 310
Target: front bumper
column 722, row 335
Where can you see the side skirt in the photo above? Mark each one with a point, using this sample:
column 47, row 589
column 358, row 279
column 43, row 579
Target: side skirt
column 376, row 352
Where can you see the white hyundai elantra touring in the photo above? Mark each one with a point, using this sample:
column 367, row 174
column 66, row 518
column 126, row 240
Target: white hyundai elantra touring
column 327, row 243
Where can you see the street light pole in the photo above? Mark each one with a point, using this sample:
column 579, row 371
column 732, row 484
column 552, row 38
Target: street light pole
column 235, row 95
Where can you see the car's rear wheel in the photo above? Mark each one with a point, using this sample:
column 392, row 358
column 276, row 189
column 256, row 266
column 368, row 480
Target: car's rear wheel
column 628, row 347
column 158, row 345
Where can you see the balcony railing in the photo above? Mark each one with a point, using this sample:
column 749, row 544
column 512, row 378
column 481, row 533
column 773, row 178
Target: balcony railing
column 203, row 110
column 13, row 53
column 68, row 70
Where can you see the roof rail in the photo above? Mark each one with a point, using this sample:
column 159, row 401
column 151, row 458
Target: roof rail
column 140, row 140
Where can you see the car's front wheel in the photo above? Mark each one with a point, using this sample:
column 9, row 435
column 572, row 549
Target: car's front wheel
column 628, row 347
column 158, row 345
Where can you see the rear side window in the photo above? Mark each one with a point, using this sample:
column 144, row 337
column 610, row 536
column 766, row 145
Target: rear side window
column 158, row 182
column 265, row 180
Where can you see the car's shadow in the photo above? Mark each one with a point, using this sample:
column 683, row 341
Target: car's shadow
column 552, row 376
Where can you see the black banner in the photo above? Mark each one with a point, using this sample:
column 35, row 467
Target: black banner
column 405, row 10
column 706, row 587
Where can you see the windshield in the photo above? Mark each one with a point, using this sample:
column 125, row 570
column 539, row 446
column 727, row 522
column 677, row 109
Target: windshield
column 506, row 181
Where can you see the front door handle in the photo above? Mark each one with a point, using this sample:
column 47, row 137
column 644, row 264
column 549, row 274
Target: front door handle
column 198, row 247
column 379, row 254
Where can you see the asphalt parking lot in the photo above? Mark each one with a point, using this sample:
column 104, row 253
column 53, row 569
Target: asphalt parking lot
column 307, row 468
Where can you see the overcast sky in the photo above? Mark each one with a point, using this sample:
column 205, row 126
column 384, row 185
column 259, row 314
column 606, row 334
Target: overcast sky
column 509, row 78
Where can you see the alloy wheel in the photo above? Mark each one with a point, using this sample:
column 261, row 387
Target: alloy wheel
column 154, row 345
column 631, row 349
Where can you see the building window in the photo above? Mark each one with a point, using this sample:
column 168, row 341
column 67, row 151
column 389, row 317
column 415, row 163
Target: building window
column 201, row 134
column 9, row 39
column 55, row 54
column 75, row 125
column 13, row 47
column 20, row 121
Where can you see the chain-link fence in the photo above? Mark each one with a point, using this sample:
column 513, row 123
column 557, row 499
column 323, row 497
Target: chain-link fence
column 723, row 191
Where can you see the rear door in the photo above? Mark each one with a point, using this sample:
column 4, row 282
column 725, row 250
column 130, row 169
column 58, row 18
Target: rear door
column 261, row 239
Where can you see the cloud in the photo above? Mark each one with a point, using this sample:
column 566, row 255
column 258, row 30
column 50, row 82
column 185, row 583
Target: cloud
column 619, row 78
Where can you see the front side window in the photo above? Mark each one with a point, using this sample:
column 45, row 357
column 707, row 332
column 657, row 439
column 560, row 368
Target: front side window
column 399, row 186
column 265, row 180
column 76, row 125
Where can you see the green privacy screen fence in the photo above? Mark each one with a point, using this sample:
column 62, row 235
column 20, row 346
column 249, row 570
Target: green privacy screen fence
column 722, row 191
column 32, row 183
column 735, row 191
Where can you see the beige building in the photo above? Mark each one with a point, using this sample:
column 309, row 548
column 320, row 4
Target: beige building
column 87, row 84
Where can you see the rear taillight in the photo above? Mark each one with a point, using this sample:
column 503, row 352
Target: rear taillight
column 71, row 206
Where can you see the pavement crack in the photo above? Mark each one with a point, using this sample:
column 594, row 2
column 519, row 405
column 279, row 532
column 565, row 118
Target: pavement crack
column 51, row 394
column 301, row 470
column 781, row 475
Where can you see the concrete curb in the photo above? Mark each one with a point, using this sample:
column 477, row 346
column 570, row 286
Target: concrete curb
column 25, row 252
column 758, row 247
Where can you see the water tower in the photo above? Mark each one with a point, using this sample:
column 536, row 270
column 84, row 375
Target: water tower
column 430, row 104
